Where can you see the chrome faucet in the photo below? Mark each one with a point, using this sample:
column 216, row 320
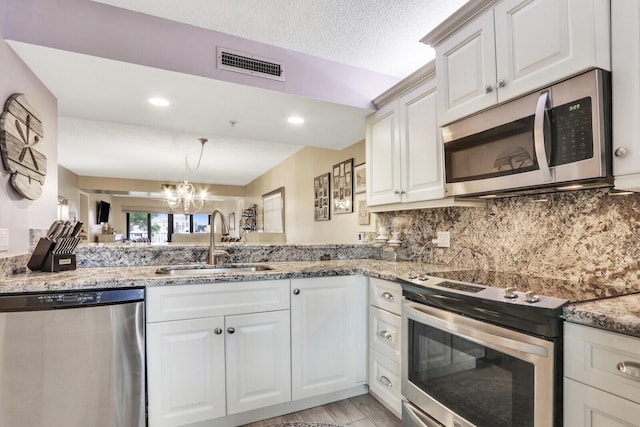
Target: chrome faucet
column 213, row 254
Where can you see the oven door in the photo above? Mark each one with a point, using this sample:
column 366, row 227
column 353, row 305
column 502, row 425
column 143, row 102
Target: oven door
column 464, row 372
column 504, row 148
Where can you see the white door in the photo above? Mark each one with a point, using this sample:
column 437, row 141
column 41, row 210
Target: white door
column 186, row 376
column 421, row 152
column 383, row 156
column 258, row 360
column 540, row 42
column 466, row 65
column 328, row 334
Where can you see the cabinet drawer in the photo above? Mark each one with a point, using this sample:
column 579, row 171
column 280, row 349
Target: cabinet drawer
column 593, row 356
column 215, row 299
column 589, row 407
column 386, row 295
column 384, row 381
column 385, row 335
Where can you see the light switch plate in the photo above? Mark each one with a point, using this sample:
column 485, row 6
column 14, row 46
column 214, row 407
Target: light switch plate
column 4, row 239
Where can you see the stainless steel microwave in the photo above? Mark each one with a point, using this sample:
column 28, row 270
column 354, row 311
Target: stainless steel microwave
column 553, row 139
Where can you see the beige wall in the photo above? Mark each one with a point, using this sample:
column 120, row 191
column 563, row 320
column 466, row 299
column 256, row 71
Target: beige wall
column 17, row 214
column 296, row 175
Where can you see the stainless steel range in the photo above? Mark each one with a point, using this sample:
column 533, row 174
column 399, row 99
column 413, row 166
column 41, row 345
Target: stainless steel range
column 481, row 348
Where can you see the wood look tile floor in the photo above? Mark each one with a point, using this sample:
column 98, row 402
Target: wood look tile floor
column 359, row 411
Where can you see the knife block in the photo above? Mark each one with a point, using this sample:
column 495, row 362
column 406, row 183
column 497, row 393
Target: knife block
column 54, row 255
column 59, row 262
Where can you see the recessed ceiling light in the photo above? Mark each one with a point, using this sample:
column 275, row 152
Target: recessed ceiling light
column 295, row 120
column 159, row 102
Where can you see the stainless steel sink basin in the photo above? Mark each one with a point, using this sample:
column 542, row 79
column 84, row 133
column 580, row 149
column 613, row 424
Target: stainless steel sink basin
column 210, row 269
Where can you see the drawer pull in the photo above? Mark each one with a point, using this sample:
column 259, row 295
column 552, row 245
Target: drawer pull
column 386, row 335
column 385, row 381
column 388, row 296
column 631, row 369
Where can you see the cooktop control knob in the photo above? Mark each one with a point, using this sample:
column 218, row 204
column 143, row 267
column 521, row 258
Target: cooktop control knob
column 531, row 297
column 510, row 293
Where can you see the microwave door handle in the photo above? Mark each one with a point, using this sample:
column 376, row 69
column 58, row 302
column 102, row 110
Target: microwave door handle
column 538, row 136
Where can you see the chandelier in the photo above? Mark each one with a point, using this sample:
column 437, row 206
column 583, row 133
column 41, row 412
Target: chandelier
column 182, row 198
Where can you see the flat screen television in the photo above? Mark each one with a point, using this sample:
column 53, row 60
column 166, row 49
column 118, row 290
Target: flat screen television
column 103, row 212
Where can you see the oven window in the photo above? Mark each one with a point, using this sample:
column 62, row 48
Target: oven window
column 505, row 150
column 484, row 386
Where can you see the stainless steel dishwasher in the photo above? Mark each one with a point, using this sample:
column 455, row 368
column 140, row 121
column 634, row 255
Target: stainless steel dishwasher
column 73, row 359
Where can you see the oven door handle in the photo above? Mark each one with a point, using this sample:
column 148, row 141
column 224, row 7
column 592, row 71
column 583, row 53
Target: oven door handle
column 541, row 119
column 475, row 330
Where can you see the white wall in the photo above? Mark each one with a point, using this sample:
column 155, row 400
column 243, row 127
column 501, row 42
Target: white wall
column 16, row 213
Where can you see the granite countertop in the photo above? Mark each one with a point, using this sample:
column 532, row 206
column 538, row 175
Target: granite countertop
column 122, row 277
column 619, row 314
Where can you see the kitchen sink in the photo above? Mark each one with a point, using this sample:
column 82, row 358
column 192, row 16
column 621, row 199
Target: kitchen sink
column 211, row 269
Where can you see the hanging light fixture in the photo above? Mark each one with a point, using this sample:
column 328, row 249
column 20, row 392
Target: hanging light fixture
column 182, row 198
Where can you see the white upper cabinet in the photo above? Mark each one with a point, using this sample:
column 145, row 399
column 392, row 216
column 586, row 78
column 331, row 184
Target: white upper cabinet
column 516, row 47
column 466, row 64
column 625, row 62
column 404, row 153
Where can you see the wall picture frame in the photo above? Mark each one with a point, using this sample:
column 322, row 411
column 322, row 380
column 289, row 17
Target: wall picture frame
column 360, row 178
column 343, row 187
column 321, row 199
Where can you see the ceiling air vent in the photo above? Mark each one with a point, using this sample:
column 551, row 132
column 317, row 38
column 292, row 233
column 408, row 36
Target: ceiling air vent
column 240, row 62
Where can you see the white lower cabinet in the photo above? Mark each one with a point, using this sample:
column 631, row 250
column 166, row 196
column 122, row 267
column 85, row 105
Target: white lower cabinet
column 258, row 360
column 384, row 343
column 205, row 368
column 328, row 334
column 186, row 375
column 601, row 386
column 224, row 352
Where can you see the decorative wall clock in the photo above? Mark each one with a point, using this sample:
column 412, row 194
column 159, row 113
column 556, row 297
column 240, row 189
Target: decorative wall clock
column 20, row 137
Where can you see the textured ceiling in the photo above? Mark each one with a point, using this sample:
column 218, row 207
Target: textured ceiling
column 380, row 35
column 106, row 127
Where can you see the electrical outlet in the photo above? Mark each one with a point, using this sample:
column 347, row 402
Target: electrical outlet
column 443, row 240
column 4, row 239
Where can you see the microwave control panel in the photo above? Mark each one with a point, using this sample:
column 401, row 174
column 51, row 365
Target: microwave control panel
column 572, row 129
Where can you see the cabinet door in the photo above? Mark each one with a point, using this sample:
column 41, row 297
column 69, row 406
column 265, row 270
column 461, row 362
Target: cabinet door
column 328, row 334
column 625, row 62
column 421, row 153
column 466, row 65
column 543, row 41
column 258, row 360
column 186, row 375
column 383, row 156
column 586, row 406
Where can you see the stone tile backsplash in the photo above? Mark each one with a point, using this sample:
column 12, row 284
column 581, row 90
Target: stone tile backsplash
column 588, row 235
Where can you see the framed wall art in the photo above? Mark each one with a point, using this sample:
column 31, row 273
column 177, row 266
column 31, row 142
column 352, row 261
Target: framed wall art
column 343, row 187
column 360, row 178
column 321, row 188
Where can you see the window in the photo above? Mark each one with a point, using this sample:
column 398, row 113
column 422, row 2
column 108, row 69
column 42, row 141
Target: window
column 158, row 227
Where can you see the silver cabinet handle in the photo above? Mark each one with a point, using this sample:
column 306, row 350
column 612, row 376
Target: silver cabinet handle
column 231, row 330
column 217, row 331
column 620, row 152
column 386, row 381
column 541, row 119
column 388, row 296
column 386, row 335
column 631, row 369
column 296, row 291
column 396, row 192
column 501, row 83
column 488, row 89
